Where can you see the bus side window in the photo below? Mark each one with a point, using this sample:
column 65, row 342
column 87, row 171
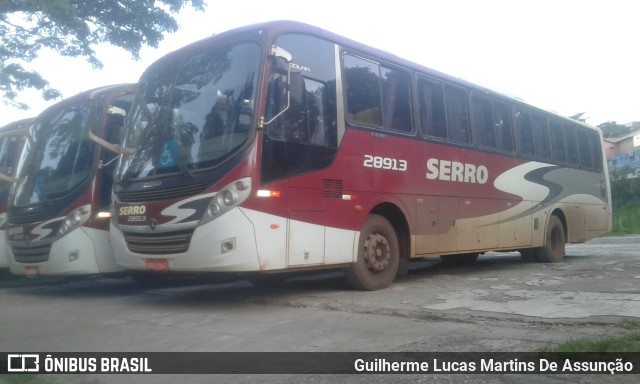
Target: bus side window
column 363, row 91
column 432, row 109
column 540, row 137
column 524, row 134
column 504, row 126
column 558, row 152
column 483, row 122
column 443, row 111
column 305, row 137
column 377, row 95
column 589, row 150
column 596, row 150
column 397, row 100
column 457, row 114
column 570, row 141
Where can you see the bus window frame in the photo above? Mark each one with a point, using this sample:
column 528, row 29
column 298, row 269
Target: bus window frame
column 474, row 127
column 445, row 140
column 380, row 64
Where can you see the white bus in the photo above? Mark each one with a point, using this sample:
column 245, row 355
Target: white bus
column 283, row 147
column 11, row 141
column 58, row 214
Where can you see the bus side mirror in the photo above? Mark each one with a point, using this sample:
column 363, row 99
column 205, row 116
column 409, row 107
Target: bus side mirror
column 7, row 178
column 113, row 110
column 286, row 58
column 115, row 148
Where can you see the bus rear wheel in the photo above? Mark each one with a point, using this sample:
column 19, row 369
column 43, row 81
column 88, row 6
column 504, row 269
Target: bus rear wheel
column 378, row 256
column 553, row 249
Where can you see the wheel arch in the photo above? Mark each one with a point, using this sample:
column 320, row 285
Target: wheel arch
column 563, row 219
column 398, row 219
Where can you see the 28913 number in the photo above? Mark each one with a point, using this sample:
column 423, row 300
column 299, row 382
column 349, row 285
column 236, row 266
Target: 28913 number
column 385, row 163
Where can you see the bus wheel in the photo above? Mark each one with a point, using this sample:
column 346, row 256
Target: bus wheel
column 378, row 256
column 553, row 249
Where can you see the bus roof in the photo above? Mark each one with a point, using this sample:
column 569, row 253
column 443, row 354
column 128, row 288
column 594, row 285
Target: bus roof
column 91, row 93
column 277, row 27
column 15, row 127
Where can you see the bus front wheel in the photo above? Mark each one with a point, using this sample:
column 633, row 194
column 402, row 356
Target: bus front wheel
column 555, row 240
column 378, row 256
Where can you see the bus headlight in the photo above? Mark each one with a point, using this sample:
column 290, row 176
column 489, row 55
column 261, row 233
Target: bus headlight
column 227, row 197
column 230, row 196
column 214, row 209
column 75, row 218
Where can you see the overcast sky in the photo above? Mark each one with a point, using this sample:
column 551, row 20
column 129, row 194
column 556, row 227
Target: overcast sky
column 562, row 55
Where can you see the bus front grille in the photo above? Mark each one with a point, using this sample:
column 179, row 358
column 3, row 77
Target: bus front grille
column 158, row 243
column 161, row 194
column 38, row 216
column 29, row 255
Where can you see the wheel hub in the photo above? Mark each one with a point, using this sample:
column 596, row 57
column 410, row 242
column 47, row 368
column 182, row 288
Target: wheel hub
column 377, row 252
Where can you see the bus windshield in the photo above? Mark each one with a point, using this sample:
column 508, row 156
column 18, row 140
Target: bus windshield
column 192, row 112
column 57, row 156
column 9, row 147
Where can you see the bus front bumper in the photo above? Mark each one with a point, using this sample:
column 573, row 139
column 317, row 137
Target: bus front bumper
column 81, row 251
column 226, row 244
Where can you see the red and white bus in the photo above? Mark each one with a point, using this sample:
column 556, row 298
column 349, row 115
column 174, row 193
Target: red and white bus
column 11, row 141
column 283, row 147
column 59, row 208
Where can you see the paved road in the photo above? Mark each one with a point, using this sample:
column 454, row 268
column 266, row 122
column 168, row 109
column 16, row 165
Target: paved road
column 499, row 304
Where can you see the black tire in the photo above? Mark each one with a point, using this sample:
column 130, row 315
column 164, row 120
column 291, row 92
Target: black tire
column 378, row 256
column 459, row 260
column 554, row 243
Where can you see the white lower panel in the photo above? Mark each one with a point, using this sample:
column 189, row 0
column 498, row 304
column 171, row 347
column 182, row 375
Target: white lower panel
column 4, row 253
column 259, row 241
column 82, row 251
column 225, row 244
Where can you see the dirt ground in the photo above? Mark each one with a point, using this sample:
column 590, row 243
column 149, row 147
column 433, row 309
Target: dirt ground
column 500, row 304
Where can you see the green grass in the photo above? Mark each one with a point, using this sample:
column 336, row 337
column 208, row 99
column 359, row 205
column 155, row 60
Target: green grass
column 626, row 343
column 626, row 219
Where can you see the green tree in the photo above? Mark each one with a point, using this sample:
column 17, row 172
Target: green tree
column 72, row 28
column 612, row 129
